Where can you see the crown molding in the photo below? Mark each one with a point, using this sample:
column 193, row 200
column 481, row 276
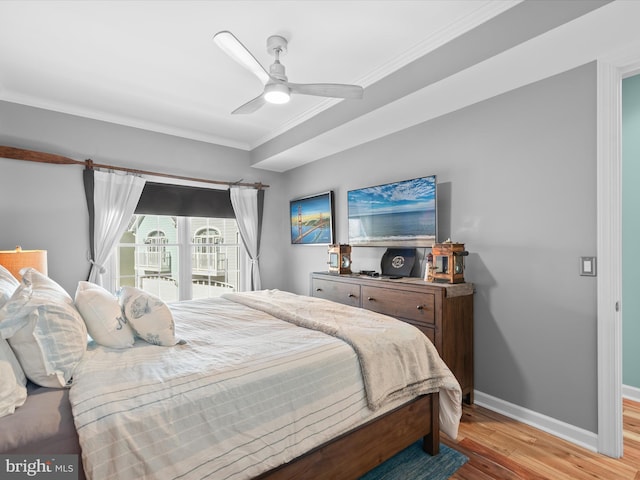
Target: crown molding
column 123, row 120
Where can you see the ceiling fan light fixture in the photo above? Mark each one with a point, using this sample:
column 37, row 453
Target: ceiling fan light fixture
column 276, row 93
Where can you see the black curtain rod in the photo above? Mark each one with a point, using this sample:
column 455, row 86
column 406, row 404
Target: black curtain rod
column 42, row 157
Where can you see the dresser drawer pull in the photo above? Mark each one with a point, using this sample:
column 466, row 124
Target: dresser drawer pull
column 420, row 307
column 351, row 295
column 371, row 299
column 318, row 289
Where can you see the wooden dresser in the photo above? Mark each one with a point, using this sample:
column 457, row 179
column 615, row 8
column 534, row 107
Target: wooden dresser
column 443, row 312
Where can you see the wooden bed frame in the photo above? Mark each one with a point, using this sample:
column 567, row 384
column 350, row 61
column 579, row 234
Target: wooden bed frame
column 346, row 457
column 354, row 453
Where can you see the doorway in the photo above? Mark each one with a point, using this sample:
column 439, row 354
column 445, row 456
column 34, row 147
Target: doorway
column 630, row 233
column 611, row 71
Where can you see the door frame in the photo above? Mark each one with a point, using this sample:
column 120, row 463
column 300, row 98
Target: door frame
column 610, row 72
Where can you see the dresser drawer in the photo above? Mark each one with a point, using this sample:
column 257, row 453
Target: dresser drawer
column 443, row 312
column 419, row 307
column 341, row 292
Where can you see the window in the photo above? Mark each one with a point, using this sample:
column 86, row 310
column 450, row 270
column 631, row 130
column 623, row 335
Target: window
column 179, row 258
column 214, row 256
column 207, row 256
column 155, row 256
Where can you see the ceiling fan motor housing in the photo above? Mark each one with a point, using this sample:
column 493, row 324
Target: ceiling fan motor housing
column 277, row 70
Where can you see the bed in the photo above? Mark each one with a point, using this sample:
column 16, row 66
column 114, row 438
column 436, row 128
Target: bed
column 253, row 388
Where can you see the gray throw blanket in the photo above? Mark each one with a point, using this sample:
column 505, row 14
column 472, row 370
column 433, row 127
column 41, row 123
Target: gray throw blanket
column 397, row 361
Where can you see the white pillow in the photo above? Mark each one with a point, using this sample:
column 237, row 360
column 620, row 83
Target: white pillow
column 13, row 392
column 103, row 316
column 44, row 329
column 8, row 285
column 149, row 316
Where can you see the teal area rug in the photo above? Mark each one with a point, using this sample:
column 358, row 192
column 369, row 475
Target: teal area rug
column 414, row 464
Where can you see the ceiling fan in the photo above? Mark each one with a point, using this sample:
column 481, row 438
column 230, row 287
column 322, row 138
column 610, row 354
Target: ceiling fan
column 277, row 88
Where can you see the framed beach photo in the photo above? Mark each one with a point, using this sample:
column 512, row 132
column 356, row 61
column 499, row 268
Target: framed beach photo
column 394, row 215
column 312, row 219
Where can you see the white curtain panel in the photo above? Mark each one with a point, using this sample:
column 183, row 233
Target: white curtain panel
column 245, row 206
column 115, row 198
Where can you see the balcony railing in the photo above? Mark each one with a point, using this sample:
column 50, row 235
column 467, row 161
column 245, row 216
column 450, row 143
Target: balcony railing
column 208, row 263
column 158, row 262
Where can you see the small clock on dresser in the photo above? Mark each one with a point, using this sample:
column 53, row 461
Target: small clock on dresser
column 340, row 258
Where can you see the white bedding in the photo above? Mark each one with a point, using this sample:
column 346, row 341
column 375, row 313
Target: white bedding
column 246, row 393
column 397, row 361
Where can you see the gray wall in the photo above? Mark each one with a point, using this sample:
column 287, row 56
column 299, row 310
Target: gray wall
column 517, row 184
column 517, row 180
column 43, row 206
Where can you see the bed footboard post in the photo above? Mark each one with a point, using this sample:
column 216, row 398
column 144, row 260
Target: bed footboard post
column 431, row 442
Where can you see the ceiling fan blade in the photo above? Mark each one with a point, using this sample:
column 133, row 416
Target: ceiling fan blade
column 335, row 90
column 230, row 45
column 251, row 106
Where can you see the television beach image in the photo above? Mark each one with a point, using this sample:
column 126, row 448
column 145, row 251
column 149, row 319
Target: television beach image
column 399, row 214
column 312, row 219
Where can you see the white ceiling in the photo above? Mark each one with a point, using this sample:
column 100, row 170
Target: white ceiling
column 153, row 64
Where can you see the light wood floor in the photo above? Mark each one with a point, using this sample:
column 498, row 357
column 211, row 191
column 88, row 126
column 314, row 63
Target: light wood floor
column 501, row 448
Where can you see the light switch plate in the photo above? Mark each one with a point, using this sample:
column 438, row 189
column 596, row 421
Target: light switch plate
column 588, row 266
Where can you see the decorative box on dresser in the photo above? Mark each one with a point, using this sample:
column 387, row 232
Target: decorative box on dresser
column 443, row 312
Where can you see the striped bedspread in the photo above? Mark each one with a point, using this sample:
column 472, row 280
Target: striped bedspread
column 246, row 393
column 397, row 361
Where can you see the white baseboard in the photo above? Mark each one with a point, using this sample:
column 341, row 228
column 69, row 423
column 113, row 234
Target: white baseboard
column 632, row 393
column 570, row 433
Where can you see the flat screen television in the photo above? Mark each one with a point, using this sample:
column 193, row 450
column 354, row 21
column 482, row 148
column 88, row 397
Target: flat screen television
column 399, row 214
